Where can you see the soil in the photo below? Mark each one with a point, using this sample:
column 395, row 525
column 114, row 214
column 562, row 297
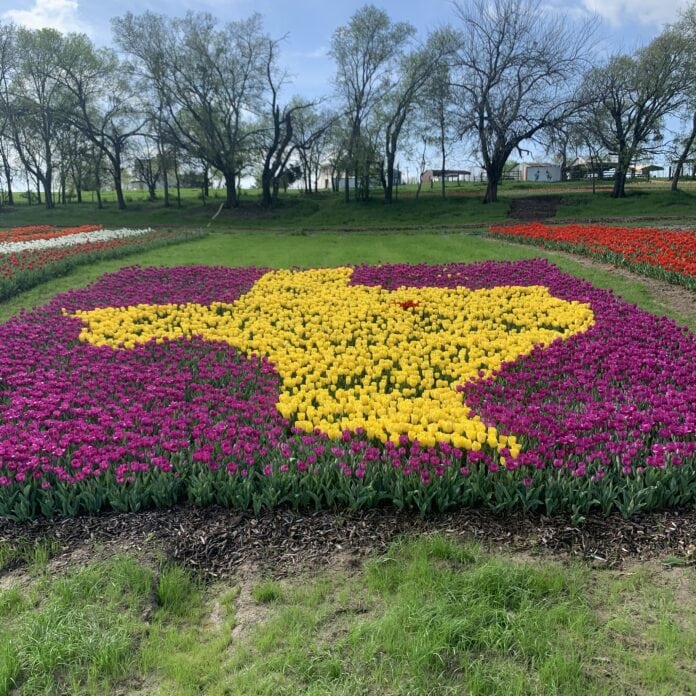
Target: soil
column 216, row 542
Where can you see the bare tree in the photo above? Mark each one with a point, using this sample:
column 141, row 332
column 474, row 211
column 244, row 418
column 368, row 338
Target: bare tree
column 277, row 142
column 515, row 75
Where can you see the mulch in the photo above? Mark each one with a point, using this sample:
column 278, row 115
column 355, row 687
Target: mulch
column 215, row 542
column 534, row 208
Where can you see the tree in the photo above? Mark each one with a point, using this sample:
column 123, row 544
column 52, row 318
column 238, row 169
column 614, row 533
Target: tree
column 412, row 77
column 147, row 168
column 515, row 76
column 277, row 138
column 628, row 99
column 685, row 28
column 437, row 107
column 35, row 104
column 7, row 64
column 313, row 135
column 367, row 51
column 211, row 80
column 101, row 101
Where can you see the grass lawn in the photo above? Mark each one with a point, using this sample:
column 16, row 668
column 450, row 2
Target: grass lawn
column 327, row 210
column 431, row 616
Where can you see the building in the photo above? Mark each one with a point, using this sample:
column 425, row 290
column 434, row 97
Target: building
column 431, row 175
column 542, row 172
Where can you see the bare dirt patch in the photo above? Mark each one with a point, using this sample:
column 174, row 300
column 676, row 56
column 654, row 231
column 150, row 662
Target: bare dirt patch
column 529, row 208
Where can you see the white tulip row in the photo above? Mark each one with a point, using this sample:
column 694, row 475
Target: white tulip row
column 70, row 240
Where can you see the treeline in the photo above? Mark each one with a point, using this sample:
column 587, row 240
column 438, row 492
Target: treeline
column 179, row 95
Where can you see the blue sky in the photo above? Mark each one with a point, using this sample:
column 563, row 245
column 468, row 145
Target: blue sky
column 309, row 24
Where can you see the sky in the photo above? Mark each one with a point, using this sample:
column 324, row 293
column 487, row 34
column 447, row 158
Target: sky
column 308, row 25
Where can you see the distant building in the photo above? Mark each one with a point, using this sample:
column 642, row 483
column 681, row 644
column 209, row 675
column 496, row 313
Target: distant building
column 431, row 175
column 536, row 171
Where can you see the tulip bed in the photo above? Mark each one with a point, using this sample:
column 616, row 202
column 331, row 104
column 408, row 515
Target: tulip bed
column 664, row 254
column 32, row 255
column 499, row 384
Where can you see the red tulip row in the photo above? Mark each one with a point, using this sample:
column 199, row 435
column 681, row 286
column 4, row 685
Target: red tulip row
column 666, row 254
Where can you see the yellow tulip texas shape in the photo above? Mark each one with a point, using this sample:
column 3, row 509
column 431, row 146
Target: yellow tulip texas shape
column 352, row 356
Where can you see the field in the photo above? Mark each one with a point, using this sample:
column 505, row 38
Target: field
column 312, row 537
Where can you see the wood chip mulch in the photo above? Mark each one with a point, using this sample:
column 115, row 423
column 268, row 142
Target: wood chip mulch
column 215, row 542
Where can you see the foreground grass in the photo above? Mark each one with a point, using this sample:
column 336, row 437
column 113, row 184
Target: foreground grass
column 431, row 616
column 283, row 250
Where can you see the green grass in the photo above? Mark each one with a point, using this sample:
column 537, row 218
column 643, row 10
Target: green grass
column 297, row 211
column 293, row 210
column 431, row 616
column 278, row 250
column 645, row 202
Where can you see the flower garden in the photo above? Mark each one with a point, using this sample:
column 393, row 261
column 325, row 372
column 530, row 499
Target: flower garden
column 664, row 254
column 32, row 255
column 507, row 385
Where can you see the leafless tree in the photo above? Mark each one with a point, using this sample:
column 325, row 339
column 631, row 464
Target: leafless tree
column 516, row 75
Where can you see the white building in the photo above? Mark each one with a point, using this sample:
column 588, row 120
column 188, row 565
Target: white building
column 537, row 171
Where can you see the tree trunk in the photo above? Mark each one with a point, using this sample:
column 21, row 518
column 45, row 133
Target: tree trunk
column 389, row 184
column 8, row 178
column 231, row 183
column 266, row 186
column 443, row 152
column 206, row 184
column 118, row 185
column 177, row 181
column 619, row 190
column 152, row 191
column 97, row 181
column 491, row 190
column 165, row 186
column 685, row 153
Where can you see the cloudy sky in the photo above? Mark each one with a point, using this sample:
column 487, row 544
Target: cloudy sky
column 309, row 24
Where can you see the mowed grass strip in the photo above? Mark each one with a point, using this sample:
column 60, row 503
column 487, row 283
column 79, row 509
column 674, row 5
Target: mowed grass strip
column 323, row 249
column 431, row 616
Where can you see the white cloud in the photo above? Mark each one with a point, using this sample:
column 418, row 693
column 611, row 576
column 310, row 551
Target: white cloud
column 54, row 14
column 650, row 12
